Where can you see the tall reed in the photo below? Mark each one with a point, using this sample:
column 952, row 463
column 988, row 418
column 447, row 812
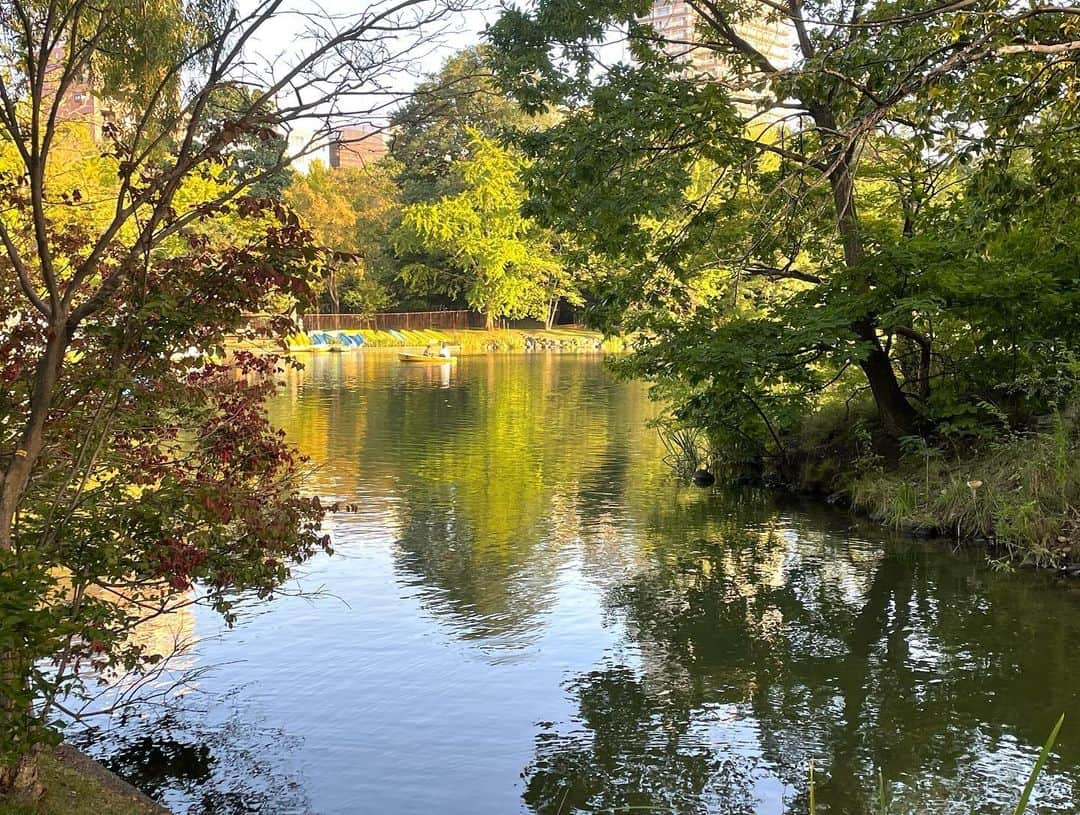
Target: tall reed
column 1021, row 806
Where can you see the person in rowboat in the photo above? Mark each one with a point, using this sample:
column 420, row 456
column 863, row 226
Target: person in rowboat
column 429, row 351
column 444, row 351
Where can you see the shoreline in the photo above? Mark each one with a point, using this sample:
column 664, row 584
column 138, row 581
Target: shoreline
column 467, row 342
column 76, row 784
column 1010, row 508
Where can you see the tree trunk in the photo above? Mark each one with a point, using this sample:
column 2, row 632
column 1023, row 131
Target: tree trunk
column 549, row 322
column 898, row 417
column 332, row 291
column 489, row 321
column 20, row 779
column 922, row 378
column 895, row 412
column 21, row 776
column 17, row 477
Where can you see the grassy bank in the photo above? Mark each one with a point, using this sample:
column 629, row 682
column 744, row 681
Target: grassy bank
column 1021, row 492
column 472, row 341
column 75, row 785
column 1015, row 492
column 1018, row 492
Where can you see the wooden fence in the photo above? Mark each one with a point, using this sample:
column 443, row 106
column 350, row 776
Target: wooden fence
column 409, row 320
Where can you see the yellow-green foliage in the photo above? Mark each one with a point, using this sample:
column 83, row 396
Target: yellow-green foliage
column 505, row 264
column 83, row 184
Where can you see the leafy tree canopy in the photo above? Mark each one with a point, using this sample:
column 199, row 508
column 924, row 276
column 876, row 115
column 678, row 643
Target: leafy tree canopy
column 843, row 223
column 351, row 211
column 259, row 154
column 136, row 463
column 502, row 261
column 433, row 130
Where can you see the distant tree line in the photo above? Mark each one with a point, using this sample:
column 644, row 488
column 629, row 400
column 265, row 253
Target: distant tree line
column 439, row 223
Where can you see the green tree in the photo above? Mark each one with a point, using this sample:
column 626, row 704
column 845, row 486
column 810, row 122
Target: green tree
column 992, row 277
column 433, row 130
column 352, row 212
column 503, row 262
column 132, row 464
column 770, row 245
column 259, row 154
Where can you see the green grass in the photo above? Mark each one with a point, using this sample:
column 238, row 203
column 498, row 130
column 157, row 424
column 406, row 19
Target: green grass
column 70, row 791
column 1019, row 491
column 1022, row 492
column 1021, row 807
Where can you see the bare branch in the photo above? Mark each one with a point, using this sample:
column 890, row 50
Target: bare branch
column 1039, row 48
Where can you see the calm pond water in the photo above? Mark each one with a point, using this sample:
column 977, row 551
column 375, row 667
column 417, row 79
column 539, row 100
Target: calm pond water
column 529, row 613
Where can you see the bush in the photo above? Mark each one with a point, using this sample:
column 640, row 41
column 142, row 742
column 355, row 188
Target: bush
column 1022, row 492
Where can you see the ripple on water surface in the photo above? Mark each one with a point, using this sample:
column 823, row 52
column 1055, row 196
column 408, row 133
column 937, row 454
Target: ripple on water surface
column 528, row 614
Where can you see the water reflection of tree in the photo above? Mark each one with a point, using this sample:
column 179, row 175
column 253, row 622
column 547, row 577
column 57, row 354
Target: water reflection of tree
column 485, row 594
column 203, row 771
column 487, row 479
column 902, row 660
column 487, row 506
column 632, row 755
column 793, row 635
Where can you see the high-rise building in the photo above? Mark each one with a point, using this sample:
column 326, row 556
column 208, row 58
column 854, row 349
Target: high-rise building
column 356, row 147
column 676, row 22
column 79, row 104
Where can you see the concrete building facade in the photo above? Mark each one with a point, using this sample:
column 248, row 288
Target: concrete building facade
column 356, row 147
column 676, row 22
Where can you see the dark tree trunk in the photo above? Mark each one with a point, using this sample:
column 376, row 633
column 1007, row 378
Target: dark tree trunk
column 19, row 773
column 925, row 345
column 898, row 417
column 20, row 778
column 19, row 770
column 17, row 476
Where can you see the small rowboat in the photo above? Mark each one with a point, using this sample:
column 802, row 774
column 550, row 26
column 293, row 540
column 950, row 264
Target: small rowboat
column 431, row 360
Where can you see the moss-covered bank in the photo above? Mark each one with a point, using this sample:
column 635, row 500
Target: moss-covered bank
column 77, row 785
column 1017, row 492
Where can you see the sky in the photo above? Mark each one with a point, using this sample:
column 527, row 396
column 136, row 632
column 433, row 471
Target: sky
column 415, row 54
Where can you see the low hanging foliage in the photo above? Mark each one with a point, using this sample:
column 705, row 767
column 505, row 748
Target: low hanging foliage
column 158, row 468
column 880, row 209
column 143, row 152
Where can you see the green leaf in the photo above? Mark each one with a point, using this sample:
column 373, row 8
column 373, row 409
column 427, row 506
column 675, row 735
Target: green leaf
column 1021, row 806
